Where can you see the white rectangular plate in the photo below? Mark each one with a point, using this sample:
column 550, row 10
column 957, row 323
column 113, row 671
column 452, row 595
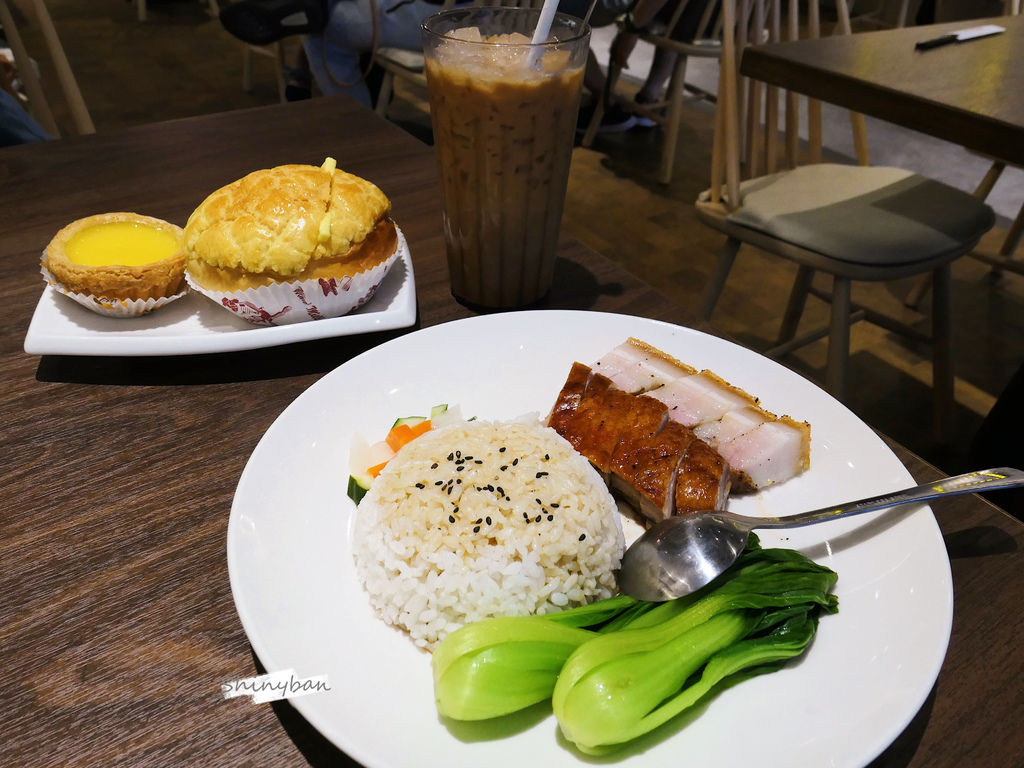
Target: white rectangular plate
column 194, row 325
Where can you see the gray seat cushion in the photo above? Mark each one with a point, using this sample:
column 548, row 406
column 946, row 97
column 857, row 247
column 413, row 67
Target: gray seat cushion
column 864, row 215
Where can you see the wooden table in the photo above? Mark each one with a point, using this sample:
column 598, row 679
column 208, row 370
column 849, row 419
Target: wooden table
column 971, row 93
column 116, row 617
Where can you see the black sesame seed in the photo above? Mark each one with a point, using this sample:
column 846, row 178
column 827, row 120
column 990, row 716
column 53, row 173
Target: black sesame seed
column 455, row 511
column 458, row 481
column 478, row 521
column 490, row 487
column 434, row 465
column 451, row 456
column 458, row 454
column 583, row 536
column 451, row 518
column 476, row 529
column 503, row 467
column 554, row 505
column 478, row 462
column 514, row 462
column 541, row 474
column 538, row 518
column 439, row 482
column 420, row 485
column 468, row 458
column 538, row 501
column 502, row 449
column 488, row 521
column 501, row 491
column 550, row 518
column 459, row 468
column 546, row 457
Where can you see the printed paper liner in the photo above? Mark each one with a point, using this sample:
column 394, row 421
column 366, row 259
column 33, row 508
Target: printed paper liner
column 301, row 300
column 112, row 307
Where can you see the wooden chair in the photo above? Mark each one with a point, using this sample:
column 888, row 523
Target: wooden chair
column 274, row 51
column 38, row 99
column 853, row 222
column 704, row 43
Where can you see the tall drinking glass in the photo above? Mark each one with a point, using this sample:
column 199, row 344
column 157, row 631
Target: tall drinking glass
column 504, row 116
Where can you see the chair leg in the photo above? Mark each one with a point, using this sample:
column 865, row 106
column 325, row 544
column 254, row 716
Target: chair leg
column 795, row 305
column 917, row 291
column 716, row 283
column 674, row 118
column 246, row 68
column 387, row 84
column 942, row 354
column 838, row 339
column 279, row 69
column 1013, row 236
column 595, row 120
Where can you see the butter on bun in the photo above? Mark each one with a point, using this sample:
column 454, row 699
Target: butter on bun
column 288, row 223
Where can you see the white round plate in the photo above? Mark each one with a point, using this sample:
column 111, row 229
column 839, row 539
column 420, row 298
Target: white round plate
column 865, row 676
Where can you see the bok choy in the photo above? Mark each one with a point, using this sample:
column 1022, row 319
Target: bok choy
column 619, row 668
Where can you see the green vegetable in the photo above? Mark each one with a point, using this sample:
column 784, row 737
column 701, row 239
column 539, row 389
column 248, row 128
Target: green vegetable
column 498, row 666
column 618, row 668
column 412, row 421
column 621, row 685
column 358, row 485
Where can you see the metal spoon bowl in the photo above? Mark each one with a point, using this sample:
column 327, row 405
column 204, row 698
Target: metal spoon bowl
column 681, row 554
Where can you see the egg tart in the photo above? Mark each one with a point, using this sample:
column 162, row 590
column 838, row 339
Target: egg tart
column 118, row 257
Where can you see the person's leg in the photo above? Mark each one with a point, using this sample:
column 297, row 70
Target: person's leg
column 349, row 34
column 657, row 76
column 16, row 125
column 334, row 55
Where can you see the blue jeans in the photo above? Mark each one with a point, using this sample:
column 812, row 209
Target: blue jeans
column 334, row 55
column 16, row 125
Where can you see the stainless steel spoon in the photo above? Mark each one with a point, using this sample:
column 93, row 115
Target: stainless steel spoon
column 681, row 554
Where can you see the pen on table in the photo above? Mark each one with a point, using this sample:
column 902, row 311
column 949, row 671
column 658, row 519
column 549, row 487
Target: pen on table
column 959, row 36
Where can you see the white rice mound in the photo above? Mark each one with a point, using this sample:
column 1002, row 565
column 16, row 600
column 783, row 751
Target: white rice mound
column 483, row 519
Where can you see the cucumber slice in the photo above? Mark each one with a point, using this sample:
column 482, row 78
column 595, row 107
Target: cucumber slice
column 437, row 410
column 358, row 485
column 412, row 421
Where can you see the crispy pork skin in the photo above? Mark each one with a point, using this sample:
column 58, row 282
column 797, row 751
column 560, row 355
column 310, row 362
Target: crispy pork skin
column 656, row 464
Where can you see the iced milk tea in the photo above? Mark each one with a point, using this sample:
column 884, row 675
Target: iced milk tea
column 504, row 116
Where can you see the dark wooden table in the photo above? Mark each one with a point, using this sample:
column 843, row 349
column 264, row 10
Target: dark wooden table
column 116, row 617
column 971, row 93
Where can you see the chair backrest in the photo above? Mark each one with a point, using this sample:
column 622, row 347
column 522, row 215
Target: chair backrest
column 748, row 115
column 695, row 20
column 38, row 101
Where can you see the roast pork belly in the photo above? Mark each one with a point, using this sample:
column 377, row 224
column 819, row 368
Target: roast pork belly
column 761, row 448
column 657, row 464
column 635, row 367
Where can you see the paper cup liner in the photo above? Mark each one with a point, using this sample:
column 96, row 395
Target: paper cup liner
column 102, row 305
column 301, row 300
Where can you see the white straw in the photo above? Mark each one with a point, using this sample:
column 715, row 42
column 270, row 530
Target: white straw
column 547, row 14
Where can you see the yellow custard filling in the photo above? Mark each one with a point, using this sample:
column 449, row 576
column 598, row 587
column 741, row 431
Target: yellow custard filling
column 125, row 243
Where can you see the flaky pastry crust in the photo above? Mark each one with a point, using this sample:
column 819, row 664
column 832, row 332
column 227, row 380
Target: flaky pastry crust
column 291, row 222
column 155, row 280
